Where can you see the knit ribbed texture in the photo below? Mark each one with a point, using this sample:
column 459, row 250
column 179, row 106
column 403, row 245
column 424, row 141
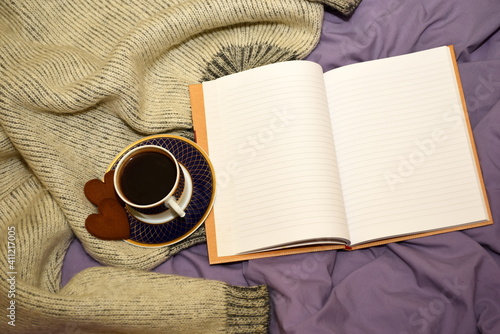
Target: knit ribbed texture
column 79, row 81
column 346, row 7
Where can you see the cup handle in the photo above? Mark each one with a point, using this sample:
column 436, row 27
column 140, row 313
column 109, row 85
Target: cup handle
column 172, row 204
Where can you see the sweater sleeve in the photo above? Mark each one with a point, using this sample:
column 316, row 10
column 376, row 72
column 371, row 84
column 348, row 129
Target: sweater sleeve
column 118, row 300
column 345, row 7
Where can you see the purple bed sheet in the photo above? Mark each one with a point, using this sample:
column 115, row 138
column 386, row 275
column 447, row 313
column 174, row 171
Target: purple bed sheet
column 447, row 283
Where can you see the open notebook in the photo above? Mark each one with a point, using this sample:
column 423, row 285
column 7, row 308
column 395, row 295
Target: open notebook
column 365, row 154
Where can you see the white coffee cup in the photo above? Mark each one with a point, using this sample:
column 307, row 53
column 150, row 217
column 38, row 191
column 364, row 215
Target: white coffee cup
column 147, row 179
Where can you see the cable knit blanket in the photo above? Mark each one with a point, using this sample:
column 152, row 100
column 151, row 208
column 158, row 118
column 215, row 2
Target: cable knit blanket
column 80, row 80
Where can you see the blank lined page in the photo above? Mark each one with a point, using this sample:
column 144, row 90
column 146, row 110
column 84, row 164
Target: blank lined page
column 405, row 158
column 271, row 144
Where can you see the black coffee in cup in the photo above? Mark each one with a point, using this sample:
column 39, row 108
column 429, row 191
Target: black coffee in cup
column 147, row 177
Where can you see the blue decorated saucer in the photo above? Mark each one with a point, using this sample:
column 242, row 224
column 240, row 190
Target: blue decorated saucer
column 197, row 163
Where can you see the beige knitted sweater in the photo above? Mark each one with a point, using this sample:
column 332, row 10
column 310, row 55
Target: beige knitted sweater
column 79, row 81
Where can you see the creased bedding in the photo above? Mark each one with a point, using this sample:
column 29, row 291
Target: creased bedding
column 441, row 284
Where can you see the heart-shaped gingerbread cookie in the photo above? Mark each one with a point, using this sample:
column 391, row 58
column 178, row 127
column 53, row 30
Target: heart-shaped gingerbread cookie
column 111, row 223
column 96, row 190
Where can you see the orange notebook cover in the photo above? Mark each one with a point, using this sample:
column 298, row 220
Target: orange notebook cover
column 201, row 137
